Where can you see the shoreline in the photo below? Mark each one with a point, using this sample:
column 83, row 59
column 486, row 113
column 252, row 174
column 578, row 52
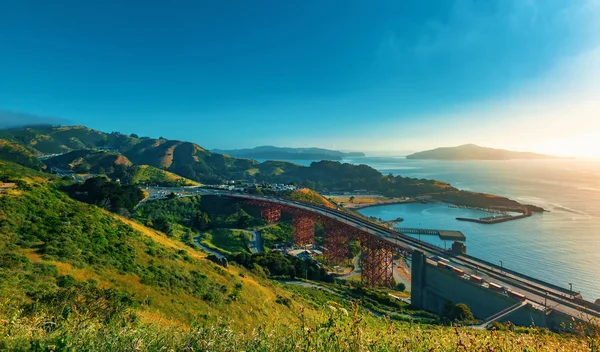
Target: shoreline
column 525, row 212
column 380, row 204
column 376, row 200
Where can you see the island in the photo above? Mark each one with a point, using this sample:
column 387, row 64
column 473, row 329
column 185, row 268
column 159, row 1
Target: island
column 475, row 152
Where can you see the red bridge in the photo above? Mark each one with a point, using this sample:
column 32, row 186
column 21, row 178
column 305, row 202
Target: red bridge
column 377, row 248
column 379, row 244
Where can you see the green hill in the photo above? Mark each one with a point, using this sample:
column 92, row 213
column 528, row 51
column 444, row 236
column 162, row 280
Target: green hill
column 310, row 196
column 183, row 158
column 19, row 154
column 146, row 174
column 50, row 243
column 116, row 165
column 89, row 161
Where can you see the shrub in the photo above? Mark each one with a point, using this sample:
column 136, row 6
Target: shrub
column 66, row 281
column 457, row 312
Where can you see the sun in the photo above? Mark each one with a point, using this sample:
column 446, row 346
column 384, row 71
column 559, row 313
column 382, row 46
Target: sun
column 585, row 145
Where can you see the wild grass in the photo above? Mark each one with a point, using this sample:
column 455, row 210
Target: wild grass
column 335, row 329
column 147, row 174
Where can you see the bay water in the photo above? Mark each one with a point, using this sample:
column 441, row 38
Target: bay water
column 560, row 246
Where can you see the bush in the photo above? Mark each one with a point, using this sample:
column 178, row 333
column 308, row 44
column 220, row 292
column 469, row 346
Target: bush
column 283, row 300
column 66, row 281
column 457, row 312
column 497, row 326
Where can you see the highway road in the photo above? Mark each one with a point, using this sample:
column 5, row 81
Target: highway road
column 536, row 291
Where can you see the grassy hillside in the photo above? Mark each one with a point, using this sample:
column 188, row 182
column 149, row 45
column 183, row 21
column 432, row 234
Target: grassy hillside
column 146, row 174
column 19, row 154
column 310, row 196
column 183, row 158
column 50, row 243
column 52, row 140
column 116, row 165
column 75, row 277
column 89, row 161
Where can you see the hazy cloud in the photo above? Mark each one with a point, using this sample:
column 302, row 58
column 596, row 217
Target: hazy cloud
column 12, row 119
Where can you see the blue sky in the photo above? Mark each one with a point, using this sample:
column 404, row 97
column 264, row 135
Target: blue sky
column 358, row 75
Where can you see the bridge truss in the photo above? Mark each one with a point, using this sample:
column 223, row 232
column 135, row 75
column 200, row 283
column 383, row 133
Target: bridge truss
column 377, row 254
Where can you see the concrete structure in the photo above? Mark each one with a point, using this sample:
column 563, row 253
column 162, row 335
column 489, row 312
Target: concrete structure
column 434, row 285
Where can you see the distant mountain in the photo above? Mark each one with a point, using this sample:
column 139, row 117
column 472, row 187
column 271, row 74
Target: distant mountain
column 279, row 153
column 474, row 152
column 186, row 159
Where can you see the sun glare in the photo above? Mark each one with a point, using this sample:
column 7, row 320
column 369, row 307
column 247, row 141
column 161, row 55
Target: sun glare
column 584, row 145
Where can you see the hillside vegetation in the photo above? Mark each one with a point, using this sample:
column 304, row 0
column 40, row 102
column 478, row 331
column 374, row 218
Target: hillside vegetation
column 19, row 154
column 76, row 277
column 116, row 166
column 50, row 243
column 146, row 174
column 309, row 196
column 196, row 163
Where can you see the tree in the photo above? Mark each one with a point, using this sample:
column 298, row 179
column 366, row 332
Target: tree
column 353, row 248
column 255, row 190
column 66, row 281
column 244, row 221
column 457, row 312
column 172, row 195
column 105, row 203
column 401, row 287
column 201, row 221
column 162, row 224
column 351, row 200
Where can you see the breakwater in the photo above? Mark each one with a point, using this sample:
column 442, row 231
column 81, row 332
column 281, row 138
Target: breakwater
column 497, row 219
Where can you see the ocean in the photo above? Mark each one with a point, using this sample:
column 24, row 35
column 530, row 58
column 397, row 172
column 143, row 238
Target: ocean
column 560, row 246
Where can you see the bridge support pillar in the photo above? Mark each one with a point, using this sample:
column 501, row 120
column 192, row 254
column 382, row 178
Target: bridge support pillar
column 270, row 214
column 417, row 285
column 303, row 232
column 336, row 245
column 459, row 248
column 376, row 262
